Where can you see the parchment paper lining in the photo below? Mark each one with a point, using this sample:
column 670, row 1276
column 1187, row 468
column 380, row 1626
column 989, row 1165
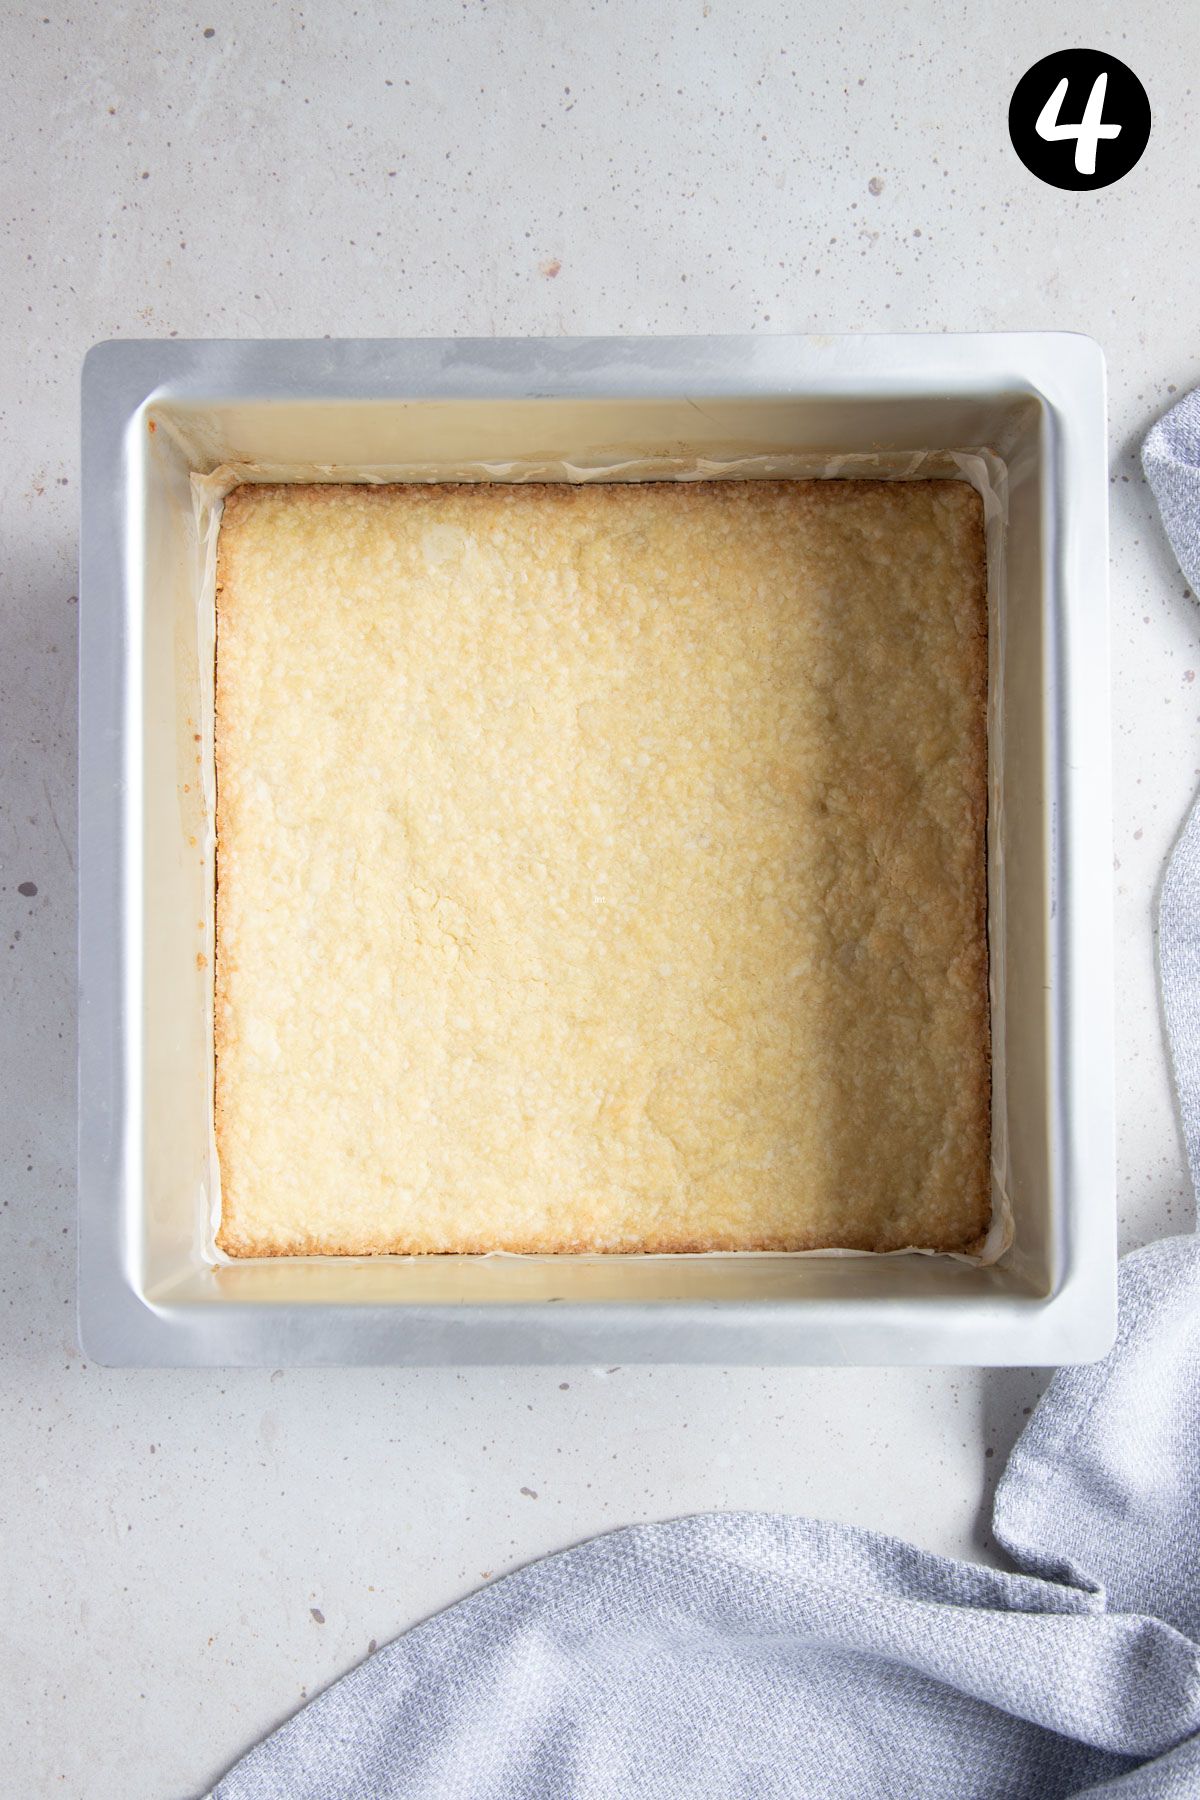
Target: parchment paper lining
column 981, row 467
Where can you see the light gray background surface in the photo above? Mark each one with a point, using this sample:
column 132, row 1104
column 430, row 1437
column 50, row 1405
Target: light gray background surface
column 185, row 1556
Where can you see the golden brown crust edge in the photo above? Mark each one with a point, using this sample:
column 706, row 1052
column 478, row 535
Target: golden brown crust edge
column 979, row 947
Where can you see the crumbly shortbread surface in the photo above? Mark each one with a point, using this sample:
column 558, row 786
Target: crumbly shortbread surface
column 601, row 868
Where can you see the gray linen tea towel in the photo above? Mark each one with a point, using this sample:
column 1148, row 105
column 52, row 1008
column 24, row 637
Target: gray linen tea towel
column 760, row 1655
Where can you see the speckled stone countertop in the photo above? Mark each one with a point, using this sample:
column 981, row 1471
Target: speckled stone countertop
column 187, row 1555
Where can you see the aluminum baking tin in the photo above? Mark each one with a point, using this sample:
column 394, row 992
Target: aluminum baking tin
column 1022, row 414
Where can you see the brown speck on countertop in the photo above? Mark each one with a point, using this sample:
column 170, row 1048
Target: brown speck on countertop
column 875, row 185
column 530, row 1493
column 317, row 1614
column 550, row 268
column 209, row 31
column 372, row 1647
column 28, row 888
column 564, row 1385
column 201, row 960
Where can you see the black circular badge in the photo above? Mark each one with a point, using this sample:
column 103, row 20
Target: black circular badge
column 1079, row 119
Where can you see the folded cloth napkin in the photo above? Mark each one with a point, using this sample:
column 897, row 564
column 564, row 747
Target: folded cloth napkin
column 1171, row 459
column 757, row 1655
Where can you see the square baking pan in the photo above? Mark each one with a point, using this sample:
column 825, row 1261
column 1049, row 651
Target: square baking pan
column 1021, row 415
